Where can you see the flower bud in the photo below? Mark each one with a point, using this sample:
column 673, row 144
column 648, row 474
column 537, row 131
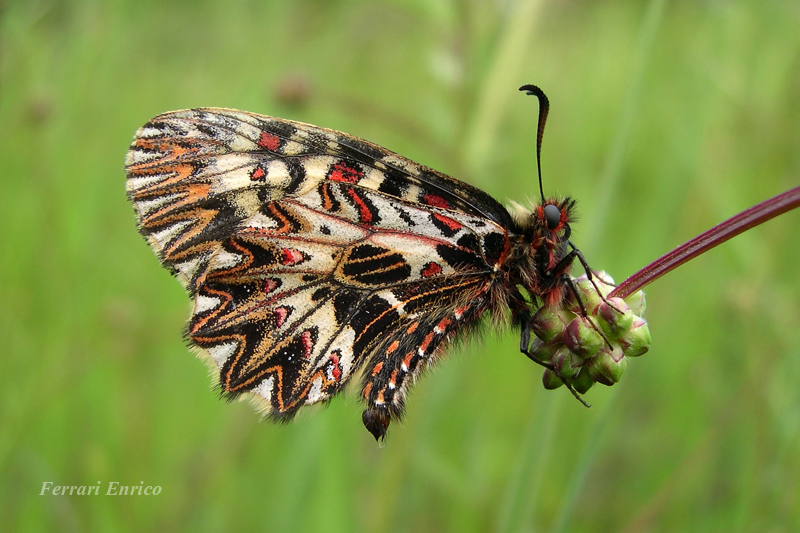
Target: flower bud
column 583, row 350
column 550, row 380
column 588, row 295
column 604, row 282
column 582, row 382
column 608, row 366
column 615, row 317
column 565, row 363
column 542, row 351
column 637, row 303
column 548, row 322
column 636, row 341
column 582, row 338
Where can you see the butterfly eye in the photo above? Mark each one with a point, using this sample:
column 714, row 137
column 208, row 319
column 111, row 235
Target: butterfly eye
column 552, row 215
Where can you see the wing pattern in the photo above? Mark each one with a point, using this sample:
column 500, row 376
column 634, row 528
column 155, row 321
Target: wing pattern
column 311, row 254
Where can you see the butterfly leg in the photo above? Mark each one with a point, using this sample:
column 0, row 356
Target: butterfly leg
column 522, row 317
column 590, row 275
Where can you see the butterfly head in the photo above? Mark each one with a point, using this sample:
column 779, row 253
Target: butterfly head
column 551, row 220
column 541, row 255
column 548, row 221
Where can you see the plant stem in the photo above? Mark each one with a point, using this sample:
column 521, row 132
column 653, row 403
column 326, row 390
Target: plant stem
column 715, row 236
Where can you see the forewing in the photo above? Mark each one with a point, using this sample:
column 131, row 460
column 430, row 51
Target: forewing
column 195, row 175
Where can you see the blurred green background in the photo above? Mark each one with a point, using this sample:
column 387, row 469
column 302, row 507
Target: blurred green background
column 667, row 117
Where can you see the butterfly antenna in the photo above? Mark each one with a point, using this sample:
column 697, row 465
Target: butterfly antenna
column 544, row 108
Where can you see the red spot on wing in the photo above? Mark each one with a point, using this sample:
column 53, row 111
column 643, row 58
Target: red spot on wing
column 269, row 141
column 258, row 174
column 270, row 285
column 377, row 368
column 449, row 222
column 364, row 214
column 291, row 256
column 308, row 343
column 435, row 200
column 280, row 315
column 336, row 371
column 344, row 173
column 431, row 269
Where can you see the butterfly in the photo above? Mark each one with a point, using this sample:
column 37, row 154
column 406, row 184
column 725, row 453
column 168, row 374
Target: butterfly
column 311, row 255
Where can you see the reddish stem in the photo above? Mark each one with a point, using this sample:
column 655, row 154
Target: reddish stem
column 705, row 241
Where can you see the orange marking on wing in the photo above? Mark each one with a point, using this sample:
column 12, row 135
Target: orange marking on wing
column 285, row 223
column 226, row 300
column 242, row 265
column 327, row 202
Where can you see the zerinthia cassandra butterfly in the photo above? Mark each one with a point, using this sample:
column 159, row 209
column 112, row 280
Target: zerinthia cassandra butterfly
column 310, row 253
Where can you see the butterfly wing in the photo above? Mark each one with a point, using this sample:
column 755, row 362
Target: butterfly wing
column 309, row 251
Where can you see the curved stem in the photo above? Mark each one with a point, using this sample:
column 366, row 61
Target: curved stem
column 720, row 233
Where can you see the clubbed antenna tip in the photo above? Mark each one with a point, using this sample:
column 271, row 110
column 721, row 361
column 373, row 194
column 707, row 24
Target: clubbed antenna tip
column 544, row 109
